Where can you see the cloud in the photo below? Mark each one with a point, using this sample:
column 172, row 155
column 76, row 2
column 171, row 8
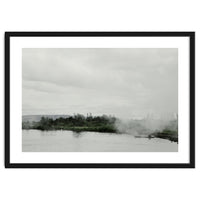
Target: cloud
column 122, row 82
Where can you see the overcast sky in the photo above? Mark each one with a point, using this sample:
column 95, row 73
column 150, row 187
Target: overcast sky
column 127, row 83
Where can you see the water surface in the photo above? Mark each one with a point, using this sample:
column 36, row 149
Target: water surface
column 68, row 141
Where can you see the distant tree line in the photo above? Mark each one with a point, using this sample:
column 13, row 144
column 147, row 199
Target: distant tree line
column 75, row 123
column 104, row 123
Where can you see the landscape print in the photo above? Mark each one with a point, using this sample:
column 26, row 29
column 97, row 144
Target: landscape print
column 100, row 100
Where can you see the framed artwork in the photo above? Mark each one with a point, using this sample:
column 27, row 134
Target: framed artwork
column 99, row 99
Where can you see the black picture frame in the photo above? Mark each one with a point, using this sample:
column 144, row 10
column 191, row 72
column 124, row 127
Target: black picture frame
column 190, row 35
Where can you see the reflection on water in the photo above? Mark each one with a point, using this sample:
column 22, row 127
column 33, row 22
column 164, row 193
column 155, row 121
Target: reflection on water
column 47, row 133
column 77, row 134
column 68, row 141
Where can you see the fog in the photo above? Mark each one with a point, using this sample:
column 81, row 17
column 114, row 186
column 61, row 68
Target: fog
column 126, row 83
column 146, row 126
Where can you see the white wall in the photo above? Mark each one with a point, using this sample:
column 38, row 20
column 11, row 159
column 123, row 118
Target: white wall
column 104, row 15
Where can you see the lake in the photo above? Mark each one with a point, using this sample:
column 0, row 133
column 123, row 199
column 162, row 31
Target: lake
column 69, row 141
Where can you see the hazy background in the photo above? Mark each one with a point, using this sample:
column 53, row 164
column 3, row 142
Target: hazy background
column 127, row 83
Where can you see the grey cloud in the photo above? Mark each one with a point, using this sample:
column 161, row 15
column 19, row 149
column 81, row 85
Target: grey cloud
column 123, row 82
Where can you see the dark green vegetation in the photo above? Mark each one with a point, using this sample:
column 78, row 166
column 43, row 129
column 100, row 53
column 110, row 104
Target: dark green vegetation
column 77, row 123
column 170, row 132
column 108, row 124
column 166, row 134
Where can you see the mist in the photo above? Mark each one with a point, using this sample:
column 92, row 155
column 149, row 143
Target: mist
column 146, row 126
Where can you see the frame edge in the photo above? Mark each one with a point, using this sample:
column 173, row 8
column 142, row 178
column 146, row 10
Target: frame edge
column 191, row 163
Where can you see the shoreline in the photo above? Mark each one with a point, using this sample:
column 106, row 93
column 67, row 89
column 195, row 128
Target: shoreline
column 173, row 137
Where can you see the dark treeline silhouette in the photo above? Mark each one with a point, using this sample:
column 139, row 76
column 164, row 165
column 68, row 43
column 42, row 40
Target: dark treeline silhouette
column 75, row 123
column 110, row 124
